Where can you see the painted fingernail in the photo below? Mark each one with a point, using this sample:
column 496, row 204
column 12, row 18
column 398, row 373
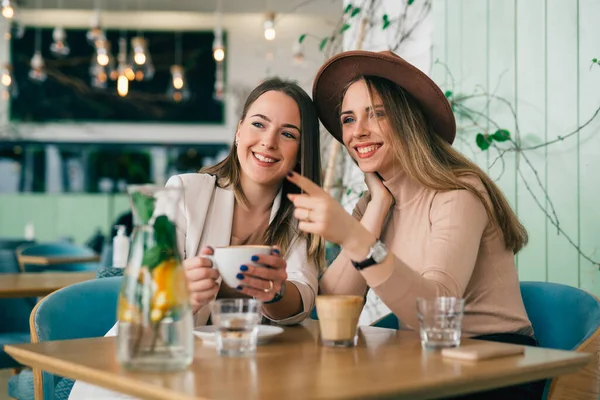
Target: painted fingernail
column 254, row 258
column 244, row 268
column 239, row 276
column 290, row 174
column 276, row 252
column 239, row 288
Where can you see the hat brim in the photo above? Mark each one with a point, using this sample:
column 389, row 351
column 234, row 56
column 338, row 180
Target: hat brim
column 338, row 71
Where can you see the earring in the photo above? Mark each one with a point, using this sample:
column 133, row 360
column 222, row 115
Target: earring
column 237, row 141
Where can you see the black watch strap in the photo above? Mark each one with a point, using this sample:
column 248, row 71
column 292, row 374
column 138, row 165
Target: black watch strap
column 377, row 253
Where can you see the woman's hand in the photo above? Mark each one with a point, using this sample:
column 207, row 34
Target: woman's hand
column 380, row 195
column 263, row 282
column 321, row 214
column 202, row 279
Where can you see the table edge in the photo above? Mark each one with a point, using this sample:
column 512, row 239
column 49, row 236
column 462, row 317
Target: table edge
column 132, row 388
column 98, row 377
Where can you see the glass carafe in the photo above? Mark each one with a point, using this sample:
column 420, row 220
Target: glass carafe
column 154, row 314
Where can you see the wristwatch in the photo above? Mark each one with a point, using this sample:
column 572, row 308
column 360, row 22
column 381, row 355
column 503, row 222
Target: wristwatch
column 278, row 296
column 377, row 254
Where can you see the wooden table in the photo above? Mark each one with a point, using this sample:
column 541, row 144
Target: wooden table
column 39, row 283
column 53, row 260
column 295, row 366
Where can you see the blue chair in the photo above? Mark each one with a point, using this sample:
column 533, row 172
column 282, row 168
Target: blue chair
column 14, row 313
column 59, row 249
column 84, row 310
column 566, row 318
column 563, row 318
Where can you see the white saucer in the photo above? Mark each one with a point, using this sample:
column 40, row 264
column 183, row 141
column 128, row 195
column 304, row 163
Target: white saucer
column 265, row 333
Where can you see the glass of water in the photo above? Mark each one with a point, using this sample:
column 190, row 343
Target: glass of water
column 237, row 323
column 440, row 321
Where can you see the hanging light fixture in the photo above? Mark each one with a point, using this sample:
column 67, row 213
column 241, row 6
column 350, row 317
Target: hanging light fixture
column 269, row 26
column 95, row 33
column 218, row 48
column 8, row 82
column 8, row 9
column 59, row 46
column 140, row 60
column 122, row 79
column 37, row 72
column 178, row 89
column 103, row 55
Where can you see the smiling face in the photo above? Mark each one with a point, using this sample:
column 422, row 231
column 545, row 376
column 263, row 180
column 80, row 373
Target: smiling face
column 269, row 139
column 366, row 130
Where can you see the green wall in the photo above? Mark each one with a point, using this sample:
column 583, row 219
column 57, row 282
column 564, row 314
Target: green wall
column 59, row 215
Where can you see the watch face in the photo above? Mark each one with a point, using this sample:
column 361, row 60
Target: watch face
column 379, row 252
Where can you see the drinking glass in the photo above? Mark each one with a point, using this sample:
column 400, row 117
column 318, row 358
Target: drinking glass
column 440, row 321
column 237, row 323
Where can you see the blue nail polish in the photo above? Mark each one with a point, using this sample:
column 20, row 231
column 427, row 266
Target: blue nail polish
column 239, row 288
column 276, row 252
column 254, row 258
column 239, row 276
column 244, row 268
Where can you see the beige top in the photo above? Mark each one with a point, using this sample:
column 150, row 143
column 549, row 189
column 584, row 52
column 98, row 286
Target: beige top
column 444, row 245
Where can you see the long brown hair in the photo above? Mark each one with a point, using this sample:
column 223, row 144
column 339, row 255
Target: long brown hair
column 228, row 172
column 434, row 163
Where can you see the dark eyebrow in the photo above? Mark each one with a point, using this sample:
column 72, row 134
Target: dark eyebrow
column 367, row 109
column 283, row 126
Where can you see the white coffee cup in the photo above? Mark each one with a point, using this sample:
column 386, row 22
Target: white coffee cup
column 228, row 261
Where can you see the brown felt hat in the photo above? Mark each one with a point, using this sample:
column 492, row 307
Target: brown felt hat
column 345, row 67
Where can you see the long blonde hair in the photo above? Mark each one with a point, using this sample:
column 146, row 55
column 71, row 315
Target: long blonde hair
column 431, row 161
column 228, row 172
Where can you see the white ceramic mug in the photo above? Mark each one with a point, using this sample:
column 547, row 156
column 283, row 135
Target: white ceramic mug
column 228, row 261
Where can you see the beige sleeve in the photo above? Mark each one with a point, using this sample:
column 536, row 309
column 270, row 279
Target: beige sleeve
column 361, row 205
column 458, row 219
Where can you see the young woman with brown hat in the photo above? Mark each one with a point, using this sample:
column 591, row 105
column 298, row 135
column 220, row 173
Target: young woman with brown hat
column 432, row 223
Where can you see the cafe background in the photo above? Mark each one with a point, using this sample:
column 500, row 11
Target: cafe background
column 524, row 68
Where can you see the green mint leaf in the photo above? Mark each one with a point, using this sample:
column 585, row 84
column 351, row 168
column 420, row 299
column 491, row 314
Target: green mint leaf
column 348, row 8
column 164, row 232
column 143, row 205
column 301, row 38
column 152, row 257
column 323, row 43
column 482, row 142
column 501, row 135
column 386, row 24
column 344, row 28
column 448, row 94
column 354, row 12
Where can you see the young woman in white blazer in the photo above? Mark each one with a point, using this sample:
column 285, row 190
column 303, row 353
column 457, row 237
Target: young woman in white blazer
column 243, row 200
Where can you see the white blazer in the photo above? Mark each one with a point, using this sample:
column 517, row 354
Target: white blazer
column 204, row 218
